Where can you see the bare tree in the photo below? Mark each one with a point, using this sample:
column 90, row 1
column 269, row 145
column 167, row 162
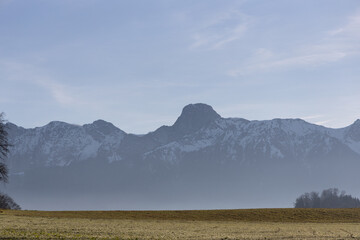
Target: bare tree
column 4, row 149
column 7, row 202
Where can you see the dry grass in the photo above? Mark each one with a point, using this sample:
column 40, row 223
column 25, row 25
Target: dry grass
column 216, row 224
column 248, row 215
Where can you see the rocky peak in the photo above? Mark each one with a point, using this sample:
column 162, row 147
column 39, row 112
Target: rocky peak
column 100, row 128
column 57, row 124
column 354, row 131
column 195, row 116
column 14, row 130
column 103, row 126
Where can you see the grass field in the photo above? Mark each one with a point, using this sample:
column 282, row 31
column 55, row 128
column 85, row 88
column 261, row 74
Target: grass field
column 211, row 224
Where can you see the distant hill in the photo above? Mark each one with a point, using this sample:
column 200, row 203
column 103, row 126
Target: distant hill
column 201, row 161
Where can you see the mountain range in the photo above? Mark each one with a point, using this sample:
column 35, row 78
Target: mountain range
column 201, row 161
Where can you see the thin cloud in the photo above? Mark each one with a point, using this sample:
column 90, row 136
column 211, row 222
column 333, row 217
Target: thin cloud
column 317, row 119
column 312, row 117
column 19, row 72
column 58, row 92
column 336, row 45
column 220, row 31
column 322, row 123
column 351, row 29
column 291, row 62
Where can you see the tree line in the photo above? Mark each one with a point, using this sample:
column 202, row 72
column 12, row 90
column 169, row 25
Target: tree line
column 6, row 202
column 329, row 198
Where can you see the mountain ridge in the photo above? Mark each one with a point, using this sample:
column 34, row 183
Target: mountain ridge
column 199, row 155
column 198, row 127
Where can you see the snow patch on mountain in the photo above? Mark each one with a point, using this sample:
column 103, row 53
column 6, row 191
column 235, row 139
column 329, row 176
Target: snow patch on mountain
column 60, row 144
column 198, row 131
column 274, row 139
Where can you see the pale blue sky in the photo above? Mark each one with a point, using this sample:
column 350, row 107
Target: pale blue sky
column 137, row 63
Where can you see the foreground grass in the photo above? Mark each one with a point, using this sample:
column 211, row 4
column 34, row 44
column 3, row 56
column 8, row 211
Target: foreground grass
column 212, row 224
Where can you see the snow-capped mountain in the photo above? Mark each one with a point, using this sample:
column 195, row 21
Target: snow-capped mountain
column 60, row 144
column 200, row 152
column 199, row 129
column 242, row 140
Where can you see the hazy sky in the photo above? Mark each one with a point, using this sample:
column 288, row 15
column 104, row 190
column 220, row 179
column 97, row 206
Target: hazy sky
column 137, row 63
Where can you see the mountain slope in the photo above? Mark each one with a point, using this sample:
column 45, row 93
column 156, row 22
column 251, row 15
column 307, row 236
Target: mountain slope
column 198, row 128
column 242, row 140
column 199, row 155
column 60, row 144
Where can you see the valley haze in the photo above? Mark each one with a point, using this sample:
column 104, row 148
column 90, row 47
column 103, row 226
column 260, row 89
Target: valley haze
column 202, row 161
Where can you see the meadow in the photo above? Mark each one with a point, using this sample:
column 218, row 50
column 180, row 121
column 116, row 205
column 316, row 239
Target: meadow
column 207, row 224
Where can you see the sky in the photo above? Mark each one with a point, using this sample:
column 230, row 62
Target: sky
column 137, row 63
